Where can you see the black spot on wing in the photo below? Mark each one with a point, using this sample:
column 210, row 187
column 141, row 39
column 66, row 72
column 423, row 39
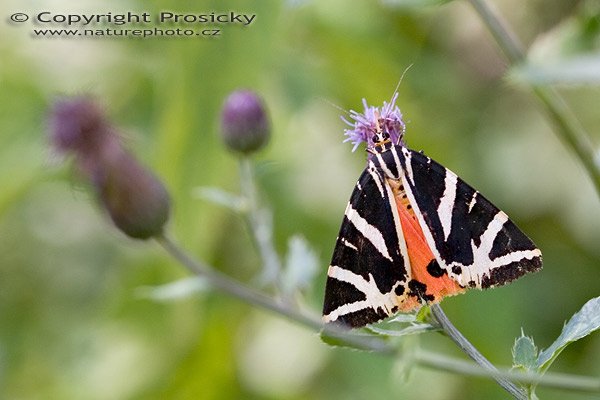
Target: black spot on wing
column 419, row 290
column 338, row 293
column 399, row 290
column 434, row 269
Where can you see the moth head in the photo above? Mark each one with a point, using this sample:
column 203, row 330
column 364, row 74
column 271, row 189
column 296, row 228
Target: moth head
column 380, row 137
column 381, row 141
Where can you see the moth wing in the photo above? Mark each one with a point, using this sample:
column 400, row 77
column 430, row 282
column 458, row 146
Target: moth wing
column 369, row 271
column 472, row 240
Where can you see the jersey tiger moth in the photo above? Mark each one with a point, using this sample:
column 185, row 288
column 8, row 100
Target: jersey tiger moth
column 414, row 232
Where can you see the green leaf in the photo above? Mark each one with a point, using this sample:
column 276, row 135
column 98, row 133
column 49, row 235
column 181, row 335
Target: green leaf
column 524, row 353
column 403, row 325
column 404, row 318
column 580, row 70
column 301, row 265
column 180, row 289
column 584, row 322
column 568, row 53
column 575, row 35
column 346, row 339
column 413, row 329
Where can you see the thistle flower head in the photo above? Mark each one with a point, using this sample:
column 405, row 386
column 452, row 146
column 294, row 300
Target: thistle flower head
column 78, row 125
column 133, row 197
column 375, row 120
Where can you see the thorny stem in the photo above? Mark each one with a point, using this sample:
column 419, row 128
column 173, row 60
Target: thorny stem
column 472, row 352
column 566, row 125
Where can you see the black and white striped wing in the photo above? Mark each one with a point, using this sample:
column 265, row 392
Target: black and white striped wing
column 474, row 241
column 369, row 271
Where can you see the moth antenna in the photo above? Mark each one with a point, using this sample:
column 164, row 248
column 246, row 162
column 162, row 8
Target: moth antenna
column 401, row 78
column 335, row 106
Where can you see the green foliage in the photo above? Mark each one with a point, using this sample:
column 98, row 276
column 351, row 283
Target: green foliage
column 582, row 70
column 222, row 198
column 581, row 324
column 525, row 353
column 300, row 268
column 412, row 328
column 567, row 54
column 172, row 291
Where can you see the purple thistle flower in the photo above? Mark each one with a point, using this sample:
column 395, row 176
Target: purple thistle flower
column 78, row 125
column 372, row 120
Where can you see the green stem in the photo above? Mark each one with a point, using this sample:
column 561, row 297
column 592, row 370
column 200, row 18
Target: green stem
column 550, row 380
column 259, row 221
column 472, row 352
column 235, row 288
column 566, row 125
column 500, row 30
column 248, row 295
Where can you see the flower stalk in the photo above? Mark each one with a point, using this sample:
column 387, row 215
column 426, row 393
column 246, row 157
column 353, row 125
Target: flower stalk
column 566, row 124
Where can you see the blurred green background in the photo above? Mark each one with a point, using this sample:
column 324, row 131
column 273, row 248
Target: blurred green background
column 72, row 323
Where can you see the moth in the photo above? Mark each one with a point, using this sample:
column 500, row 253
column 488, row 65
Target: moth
column 414, row 232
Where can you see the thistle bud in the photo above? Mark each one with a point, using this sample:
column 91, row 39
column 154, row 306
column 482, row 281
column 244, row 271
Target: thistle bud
column 245, row 125
column 135, row 199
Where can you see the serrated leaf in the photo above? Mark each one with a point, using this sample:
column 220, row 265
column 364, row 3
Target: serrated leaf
column 301, row 265
column 581, row 324
column 524, row 353
column 222, row 198
column 173, row 291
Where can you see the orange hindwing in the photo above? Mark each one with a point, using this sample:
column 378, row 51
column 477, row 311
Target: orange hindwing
column 435, row 285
